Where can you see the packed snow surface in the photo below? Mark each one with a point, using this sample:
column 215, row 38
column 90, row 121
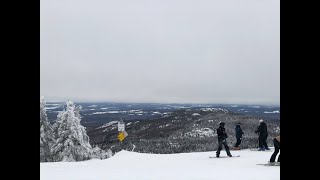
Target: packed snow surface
column 185, row 166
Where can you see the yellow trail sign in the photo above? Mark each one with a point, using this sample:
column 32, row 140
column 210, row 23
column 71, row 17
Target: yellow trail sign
column 121, row 136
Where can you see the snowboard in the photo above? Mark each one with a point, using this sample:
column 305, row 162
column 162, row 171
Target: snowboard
column 255, row 149
column 223, row 156
column 235, row 148
column 270, row 164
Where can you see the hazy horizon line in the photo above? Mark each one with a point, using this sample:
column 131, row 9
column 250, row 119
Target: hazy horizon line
column 123, row 102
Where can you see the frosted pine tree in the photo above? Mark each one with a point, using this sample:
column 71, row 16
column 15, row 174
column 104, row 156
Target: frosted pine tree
column 46, row 134
column 72, row 142
column 101, row 154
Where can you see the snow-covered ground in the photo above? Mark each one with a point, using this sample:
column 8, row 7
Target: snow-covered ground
column 185, row 166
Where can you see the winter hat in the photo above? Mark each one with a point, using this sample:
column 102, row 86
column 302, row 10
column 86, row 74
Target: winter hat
column 222, row 123
column 261, row 120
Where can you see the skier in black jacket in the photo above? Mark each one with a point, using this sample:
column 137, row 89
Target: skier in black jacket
column 222, row 136
column 276, row 142
column 239, row 133
column 263, row 134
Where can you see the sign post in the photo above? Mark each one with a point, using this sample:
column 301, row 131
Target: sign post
column 122, row 133
column 121, row 126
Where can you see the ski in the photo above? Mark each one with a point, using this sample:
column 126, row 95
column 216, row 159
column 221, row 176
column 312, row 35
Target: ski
column 223, row 156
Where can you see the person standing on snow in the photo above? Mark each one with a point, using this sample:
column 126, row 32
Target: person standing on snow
column 239, row 133
column 222, row 136
column 263, row 134
column 276, row 142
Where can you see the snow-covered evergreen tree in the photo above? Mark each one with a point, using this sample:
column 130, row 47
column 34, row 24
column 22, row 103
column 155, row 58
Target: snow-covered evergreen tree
column 72, row 142
column 46, row 134
column 101, row 154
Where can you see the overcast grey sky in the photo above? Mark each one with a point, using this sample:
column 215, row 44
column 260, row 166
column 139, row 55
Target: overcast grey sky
column 170, row 51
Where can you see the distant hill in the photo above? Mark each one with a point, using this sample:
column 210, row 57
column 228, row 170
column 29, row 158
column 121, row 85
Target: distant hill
column 184, row 130
column 97, row 114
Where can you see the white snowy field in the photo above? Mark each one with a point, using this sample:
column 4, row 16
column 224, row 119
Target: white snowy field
column 185, row 166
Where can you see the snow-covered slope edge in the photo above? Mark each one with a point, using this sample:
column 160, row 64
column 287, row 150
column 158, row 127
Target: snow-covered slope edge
column 185, row 166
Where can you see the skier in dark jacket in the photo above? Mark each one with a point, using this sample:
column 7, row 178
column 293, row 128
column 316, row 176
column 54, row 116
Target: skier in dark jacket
column 222, row 136
column 263, row 134
column 239, row 133
column 276, row 142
